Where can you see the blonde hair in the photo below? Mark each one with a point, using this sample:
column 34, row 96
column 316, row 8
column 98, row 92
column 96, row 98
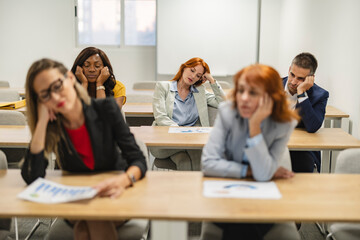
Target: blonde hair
column 54, row 131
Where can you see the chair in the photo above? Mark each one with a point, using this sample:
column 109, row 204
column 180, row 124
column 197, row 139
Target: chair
column 4, row 222
column 146, row 85
column 348, row 162
column 280, row 231
column 285, row 160
column 139, row 98
column 4, row 84
column 132, row 230
column 167, row 163
column 10, row 117
column 3, row 160
column 223, row 84
column 8, row 95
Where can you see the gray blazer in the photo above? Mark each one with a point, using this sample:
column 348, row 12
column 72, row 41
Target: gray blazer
column 222, row 155
column 163, row 103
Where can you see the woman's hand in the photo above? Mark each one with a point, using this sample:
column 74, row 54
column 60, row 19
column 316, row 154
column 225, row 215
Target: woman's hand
column 44, row 114
column 104, row 75
column 79, row 73
column 263, row 111
column 113, row 187
column 207, row 77
column 282, row 172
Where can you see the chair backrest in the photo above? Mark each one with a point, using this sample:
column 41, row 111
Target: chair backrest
column 3, row 160
column 8, row 95
column 11, row 117
column 145, row 151
column 285, row 160
column 348, row 161
column 139, row 98
column 223, row 84
column 123, row 114
column 147, row 85
column 212, row 115
column 5, row 84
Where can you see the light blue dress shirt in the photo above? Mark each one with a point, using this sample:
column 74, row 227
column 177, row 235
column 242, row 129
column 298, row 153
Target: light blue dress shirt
column 185, row 112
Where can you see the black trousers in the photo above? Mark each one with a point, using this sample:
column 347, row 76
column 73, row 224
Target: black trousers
column 250, row 231
column 304, row 161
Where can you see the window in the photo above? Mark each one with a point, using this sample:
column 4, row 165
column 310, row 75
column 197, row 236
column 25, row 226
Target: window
column 116, row 22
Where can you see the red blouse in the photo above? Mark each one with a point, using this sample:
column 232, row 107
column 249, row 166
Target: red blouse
column 81, row 141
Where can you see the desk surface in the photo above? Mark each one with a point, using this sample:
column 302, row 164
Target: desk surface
column 332, row 112
column 324, row 139
column 138, row 110
column 146, row 110
column 178, row 196
column 14, row 136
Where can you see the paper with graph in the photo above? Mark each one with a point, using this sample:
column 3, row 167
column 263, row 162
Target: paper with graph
column 189, row 129
column 45, row 191
column 241, row 189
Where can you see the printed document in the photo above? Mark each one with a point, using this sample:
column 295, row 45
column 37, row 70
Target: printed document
column 241, row 189
column 189, row 129
column 45, row 191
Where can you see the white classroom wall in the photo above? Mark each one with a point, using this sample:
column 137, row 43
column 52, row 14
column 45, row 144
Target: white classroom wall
column 330, row 29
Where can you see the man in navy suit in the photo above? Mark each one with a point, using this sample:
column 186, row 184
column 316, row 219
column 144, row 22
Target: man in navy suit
column 310, row 100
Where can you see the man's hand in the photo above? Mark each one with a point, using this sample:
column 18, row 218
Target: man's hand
column 306, row 85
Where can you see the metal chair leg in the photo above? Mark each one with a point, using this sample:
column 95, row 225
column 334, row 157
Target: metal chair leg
column 16, row 229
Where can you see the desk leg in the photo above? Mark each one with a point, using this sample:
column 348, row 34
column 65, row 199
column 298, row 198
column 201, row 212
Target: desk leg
column 169, row 230
column 337, row 123
column 334, row 155
column 327, row 123
column 326, row 161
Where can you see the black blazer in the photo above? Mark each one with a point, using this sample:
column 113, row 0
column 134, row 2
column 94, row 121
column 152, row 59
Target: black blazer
column 107, row 131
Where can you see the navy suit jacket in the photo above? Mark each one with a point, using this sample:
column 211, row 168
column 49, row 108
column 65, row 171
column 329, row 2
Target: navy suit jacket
column 312, row 110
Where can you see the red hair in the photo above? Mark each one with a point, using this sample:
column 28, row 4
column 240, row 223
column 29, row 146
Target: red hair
column 269, row 78
column 189, row 64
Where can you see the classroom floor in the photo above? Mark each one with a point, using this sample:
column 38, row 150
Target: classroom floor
column 308, row 231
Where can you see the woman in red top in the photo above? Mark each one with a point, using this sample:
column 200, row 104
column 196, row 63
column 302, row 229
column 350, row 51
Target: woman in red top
column 84, row 133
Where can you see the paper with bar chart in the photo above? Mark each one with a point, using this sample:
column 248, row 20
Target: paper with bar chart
column 45, row 191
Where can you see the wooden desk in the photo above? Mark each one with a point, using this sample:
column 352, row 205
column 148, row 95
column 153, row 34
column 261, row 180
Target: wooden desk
column 324, row 139
column 138, row 110
column 334, row 114
column 178, row 196
column 14, row 136
column 327, row 140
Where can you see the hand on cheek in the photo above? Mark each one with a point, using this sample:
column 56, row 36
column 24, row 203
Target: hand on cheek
column 263, row 110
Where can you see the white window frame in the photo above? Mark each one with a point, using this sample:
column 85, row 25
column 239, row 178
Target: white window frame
column 122, row 32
